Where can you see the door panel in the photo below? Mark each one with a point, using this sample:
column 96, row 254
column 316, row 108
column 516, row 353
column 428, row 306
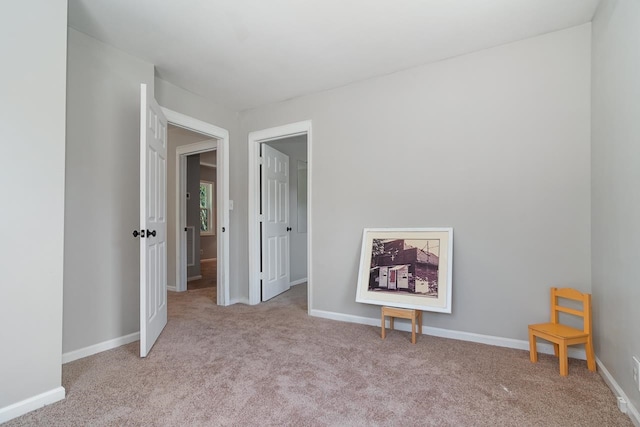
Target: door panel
column 275, row 225
column 153, row 210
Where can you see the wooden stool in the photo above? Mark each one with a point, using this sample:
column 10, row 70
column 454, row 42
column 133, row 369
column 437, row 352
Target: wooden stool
column 403, row 313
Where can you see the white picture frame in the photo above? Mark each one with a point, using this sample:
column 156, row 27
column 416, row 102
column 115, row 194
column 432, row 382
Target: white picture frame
column 407, row 268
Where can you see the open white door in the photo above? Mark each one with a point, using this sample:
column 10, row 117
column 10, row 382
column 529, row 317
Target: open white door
column 275, row 222
column 153, row 221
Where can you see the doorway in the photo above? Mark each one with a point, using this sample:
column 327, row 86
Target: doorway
column 292, row 135
column 211, row 139
column 200, row 219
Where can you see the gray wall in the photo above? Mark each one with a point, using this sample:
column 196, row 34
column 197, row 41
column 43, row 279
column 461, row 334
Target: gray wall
column 495, row 144
column 615, row 200
column 193, row 210
column 208, row 244
column 296, row 149
column 102, row 207
column 32, row 111
column 180, row 100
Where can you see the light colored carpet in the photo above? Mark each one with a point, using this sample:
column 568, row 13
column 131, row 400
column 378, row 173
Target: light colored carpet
column 209, row 273
column 273, row 365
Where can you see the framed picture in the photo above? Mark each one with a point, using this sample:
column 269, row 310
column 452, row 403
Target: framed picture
column 406, row 268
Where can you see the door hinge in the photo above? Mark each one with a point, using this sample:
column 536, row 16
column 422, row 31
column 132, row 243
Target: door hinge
column 261, row 217
column 261, row 160
column 261, row 275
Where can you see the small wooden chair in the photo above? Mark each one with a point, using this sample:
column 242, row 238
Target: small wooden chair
column 561, row 335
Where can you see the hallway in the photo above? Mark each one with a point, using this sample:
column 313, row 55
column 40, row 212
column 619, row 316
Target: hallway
column 209, row 273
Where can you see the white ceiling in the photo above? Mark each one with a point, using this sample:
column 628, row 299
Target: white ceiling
column 247, row 53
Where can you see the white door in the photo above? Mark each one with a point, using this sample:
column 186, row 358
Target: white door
column 403, row 278
column 153, row 221
column 392, row 278
column 275, row 222
column 384, row 282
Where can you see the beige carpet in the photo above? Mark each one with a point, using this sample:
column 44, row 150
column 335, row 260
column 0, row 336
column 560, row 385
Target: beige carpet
column 273, row 365
column 208, row 273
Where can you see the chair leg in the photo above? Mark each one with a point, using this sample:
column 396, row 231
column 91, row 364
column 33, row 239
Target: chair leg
column 533, row 352
column 564, row 360
column 420, row 322
column 556, row 349
column 391, row 322
column 591, row 357
column 382, row 333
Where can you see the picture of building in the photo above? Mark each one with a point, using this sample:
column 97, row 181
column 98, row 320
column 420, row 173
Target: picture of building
column 401, row 265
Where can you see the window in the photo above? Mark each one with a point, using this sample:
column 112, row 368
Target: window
column 207, row 214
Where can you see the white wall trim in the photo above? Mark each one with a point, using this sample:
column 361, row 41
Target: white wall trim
column 298, row 282
column 632, row 411
column 402, row 325
column 255, row 139
column 31, row 404
column 172, row 288
column 192, row 278
column 221, row 145
column 100, row 347
column 191, row 232
column 240, row 300
column 190, row 123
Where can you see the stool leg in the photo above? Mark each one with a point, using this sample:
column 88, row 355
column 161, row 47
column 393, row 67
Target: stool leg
column 390, row 322
column 420, row 323
column 413, row 329
column 382, row 333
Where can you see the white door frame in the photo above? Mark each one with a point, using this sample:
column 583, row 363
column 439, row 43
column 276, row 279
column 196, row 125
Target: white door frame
column 255, row 139
column 221, row 145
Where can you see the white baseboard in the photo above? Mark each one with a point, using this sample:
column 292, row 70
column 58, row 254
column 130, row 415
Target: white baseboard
column 100, row 347
column 31, row 404
column 298, row 282
column 576, row 353
column 172, row 288
column 208, row 259
column 198, row 277
column 632, row 411
column 239, row 301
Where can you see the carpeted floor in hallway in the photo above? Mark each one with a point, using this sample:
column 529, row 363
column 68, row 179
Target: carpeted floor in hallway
column 208, row 273
column 272, row 364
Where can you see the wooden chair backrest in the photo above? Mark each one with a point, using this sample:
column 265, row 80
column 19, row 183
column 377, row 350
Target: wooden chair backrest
column 572, row 294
